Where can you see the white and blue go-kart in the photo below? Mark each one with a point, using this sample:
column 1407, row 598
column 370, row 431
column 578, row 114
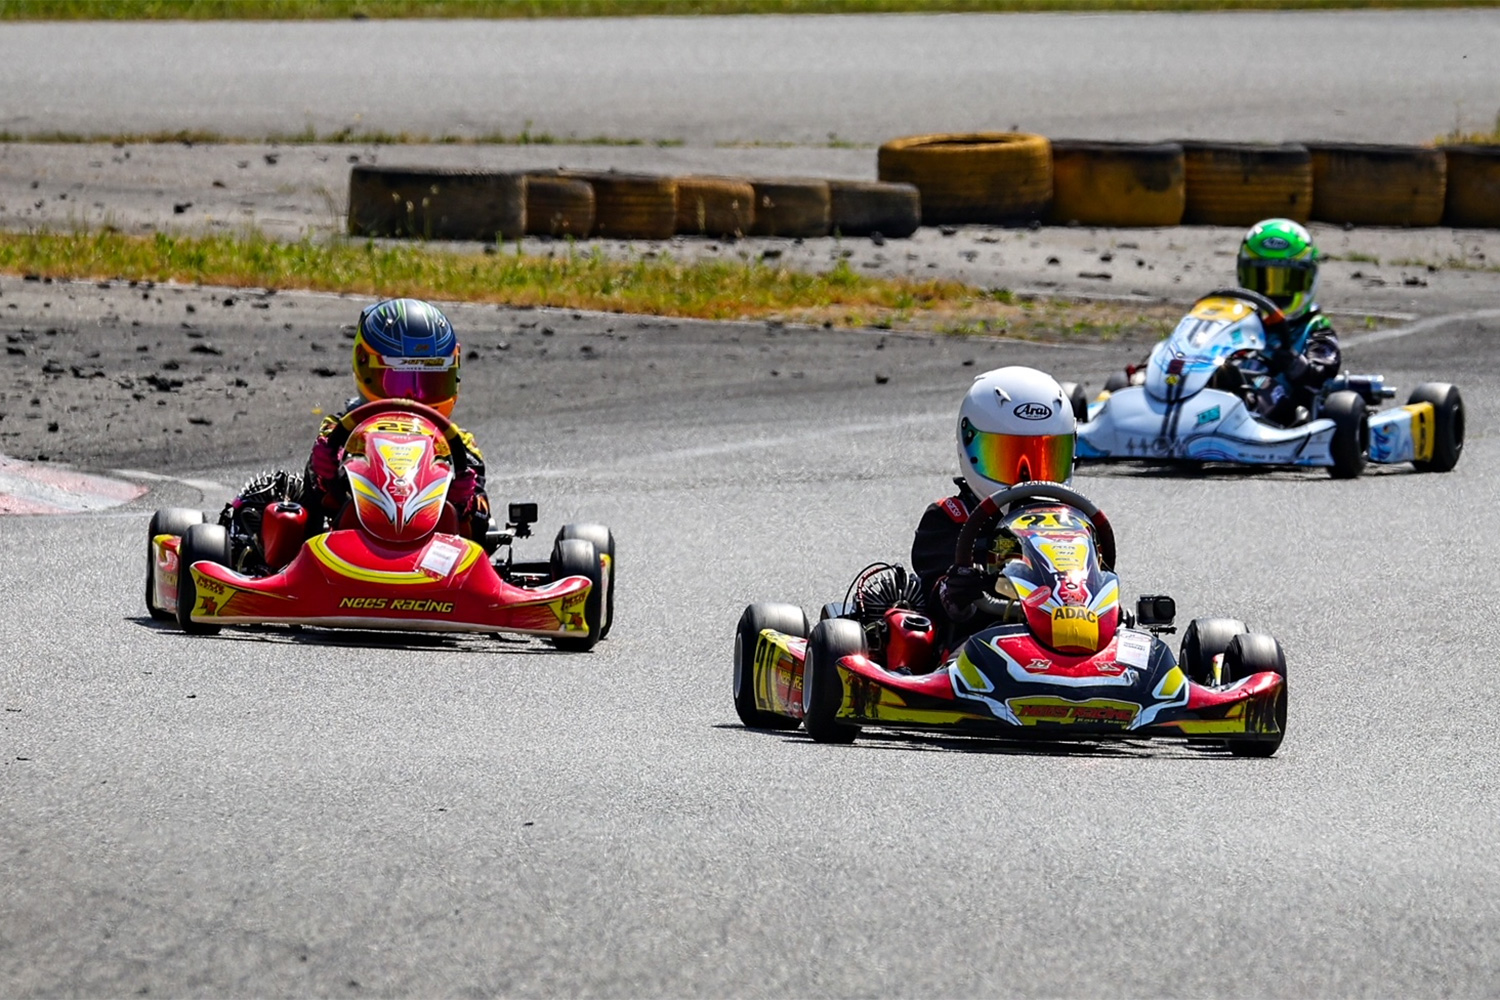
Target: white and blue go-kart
column 1188, row 404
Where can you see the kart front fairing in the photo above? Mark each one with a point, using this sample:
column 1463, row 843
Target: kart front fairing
column 1214, row 330
column 347, row 579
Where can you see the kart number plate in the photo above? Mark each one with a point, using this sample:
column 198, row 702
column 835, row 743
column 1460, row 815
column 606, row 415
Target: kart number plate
column 1134, row 649
column 440, row 557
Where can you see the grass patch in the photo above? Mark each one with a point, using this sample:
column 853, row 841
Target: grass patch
column 1458, row 137
column 338, row 137
column 296, row 10
column 653, row 285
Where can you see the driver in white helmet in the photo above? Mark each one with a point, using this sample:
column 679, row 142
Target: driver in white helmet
column 1015, row 425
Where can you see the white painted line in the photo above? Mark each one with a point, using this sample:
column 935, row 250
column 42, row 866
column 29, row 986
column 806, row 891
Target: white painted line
column 1420, row 326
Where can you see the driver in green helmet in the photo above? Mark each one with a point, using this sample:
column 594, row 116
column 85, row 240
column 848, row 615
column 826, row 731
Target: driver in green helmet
column 1277, row 258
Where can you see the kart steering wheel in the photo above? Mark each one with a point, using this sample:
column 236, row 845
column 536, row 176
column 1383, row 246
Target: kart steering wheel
column 1270, row 312
column 997, row 505
column 458, row 452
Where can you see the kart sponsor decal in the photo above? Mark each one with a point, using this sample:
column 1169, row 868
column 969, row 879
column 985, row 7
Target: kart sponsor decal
column 1134, row 648
column 440, row 557
column 1044, row 710
column 396, row 604
column 1065, row 552
column 1208, row 416
column 1423, row 430
column 401, row 458
column 1032, row 411
column 1074, row 628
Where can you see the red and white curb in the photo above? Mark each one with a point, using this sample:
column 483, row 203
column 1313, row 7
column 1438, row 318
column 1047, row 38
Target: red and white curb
column 38, row 488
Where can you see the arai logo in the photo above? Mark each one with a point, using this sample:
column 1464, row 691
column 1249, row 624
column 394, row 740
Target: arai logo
column 1276, row 243
column 1033, row 411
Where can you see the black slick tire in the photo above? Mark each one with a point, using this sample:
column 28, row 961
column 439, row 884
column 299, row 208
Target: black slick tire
column 757, row 618
column 1248, row 654
column 167, row 521
column 604, row 545
column 822, row 690
column 1448, row 432
column 1116, row 382
column 200, row 543
column 1073, row 393
column 577, row 557
column 1350, row 448
column 1205, row 639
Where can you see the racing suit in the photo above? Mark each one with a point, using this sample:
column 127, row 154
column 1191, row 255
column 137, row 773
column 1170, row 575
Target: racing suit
column 948, row 590
column 323, row 493
column 1300, row 356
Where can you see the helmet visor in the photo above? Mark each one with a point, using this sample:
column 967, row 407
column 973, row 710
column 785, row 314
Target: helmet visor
column 1019, row 458
column 1279, row 280
column 432, row 381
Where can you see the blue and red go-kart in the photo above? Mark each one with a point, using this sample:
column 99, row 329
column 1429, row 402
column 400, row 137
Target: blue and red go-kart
column 1188, row 403
column 395, row 558
column 1066, row 663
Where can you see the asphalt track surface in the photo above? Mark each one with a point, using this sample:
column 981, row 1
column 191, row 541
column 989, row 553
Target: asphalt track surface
column 268, row 813
column 1392, row 76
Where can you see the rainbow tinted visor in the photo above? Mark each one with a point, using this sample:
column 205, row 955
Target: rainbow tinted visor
column 1019, row 458
column 433, row 381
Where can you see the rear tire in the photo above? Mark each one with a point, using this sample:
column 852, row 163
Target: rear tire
column 1205, row 639
column 200, row 543
column 578, row 557
column 1351, row 433
column 822, row 690
column 1073, row 393
column 757, row 618
column 1249, row 654
column 167, row 521
column 1116, row 382
column 1448, row 432
column 604, row 544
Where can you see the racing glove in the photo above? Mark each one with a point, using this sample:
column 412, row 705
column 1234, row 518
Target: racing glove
column 1289, row 363
column 959, row 590
column 324, row 462
column 462, row 490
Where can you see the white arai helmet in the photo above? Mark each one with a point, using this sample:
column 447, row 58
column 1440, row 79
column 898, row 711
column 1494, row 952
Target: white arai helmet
column 1014, row 426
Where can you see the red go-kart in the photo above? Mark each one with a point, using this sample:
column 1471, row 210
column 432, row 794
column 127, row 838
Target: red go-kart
column 395, row 558
column 1063, row 660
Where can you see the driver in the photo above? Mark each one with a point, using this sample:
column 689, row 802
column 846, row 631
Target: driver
column 1277, row 258
column 1015, row 425
column 403, row 349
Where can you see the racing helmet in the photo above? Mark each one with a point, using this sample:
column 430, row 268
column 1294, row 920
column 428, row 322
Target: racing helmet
column 406, row 349
column 1277, row 258
column 1014, row 426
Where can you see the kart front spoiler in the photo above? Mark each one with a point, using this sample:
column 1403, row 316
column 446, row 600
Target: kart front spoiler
column 343, row 580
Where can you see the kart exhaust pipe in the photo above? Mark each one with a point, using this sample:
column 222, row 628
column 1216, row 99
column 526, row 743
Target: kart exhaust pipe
column 283, row 528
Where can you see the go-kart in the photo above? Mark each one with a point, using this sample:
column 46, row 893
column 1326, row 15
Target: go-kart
column 1188, row 403
column 1063, row 661
column 395, row 558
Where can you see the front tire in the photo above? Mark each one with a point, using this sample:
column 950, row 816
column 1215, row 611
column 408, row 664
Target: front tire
column 1351, row 433
column 1205, row 639
column 604, row 544
column 167, row 521
column 1448, row 432
column 200, row 543
column 757, row 618
column 577, row 557
column 1249, row 654
column 822, row 690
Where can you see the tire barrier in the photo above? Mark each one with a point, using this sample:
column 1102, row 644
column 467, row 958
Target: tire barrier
column 976, row 177
column 1473, row 187
column 632, row 206
column 864, row 208
column 436, row 203
column 559, row 206
column 715, row 206
column 1117, row 183
column 787, row 206
column 1374, row 185
column 1235, row 184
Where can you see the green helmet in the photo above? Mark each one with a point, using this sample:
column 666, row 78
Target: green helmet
column 1278, row 259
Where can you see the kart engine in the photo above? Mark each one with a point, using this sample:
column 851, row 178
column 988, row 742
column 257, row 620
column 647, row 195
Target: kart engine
column 243, row 516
